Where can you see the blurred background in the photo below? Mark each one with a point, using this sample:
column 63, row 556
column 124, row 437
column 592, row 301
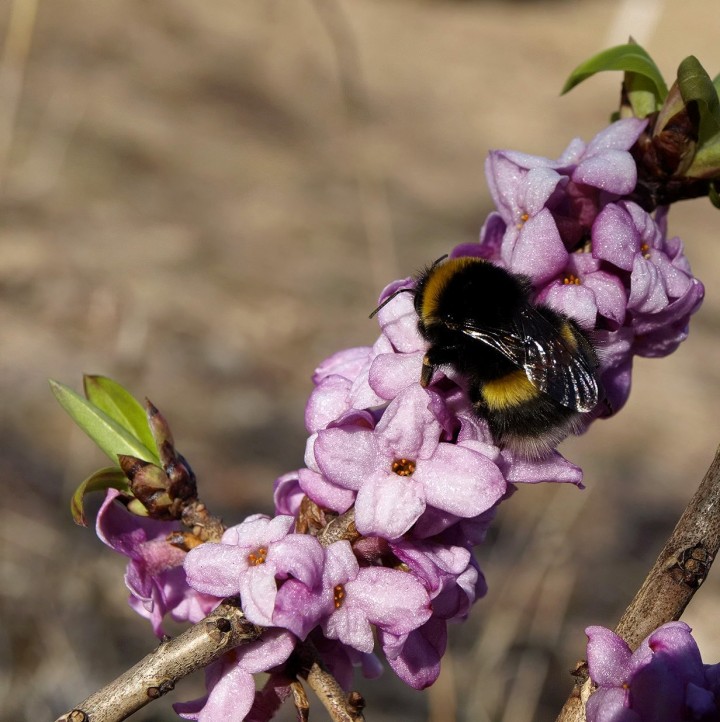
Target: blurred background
column 204, row 200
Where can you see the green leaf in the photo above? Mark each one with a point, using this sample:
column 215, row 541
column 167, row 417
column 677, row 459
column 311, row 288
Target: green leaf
column 714, row 196
column 109, row 396
column 706, row 163
column 641, row 93
column 108, row 478
column 112, row 438
column 135, row 506
column 671, row 107
column 630, row 58
column 696, row 86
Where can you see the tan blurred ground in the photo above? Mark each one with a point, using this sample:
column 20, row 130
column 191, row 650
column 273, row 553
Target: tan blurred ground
column 203, row 201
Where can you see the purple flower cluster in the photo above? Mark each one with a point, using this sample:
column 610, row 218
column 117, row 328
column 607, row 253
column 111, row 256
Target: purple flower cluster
column 417, row 465
column 590, row 252
column 663, row 680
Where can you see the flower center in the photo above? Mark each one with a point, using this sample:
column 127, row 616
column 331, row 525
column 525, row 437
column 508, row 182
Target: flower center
column 338, row 595
column 259, row 556
column 523, row 219
column 403, row 467
column 645, row 250
column 571, row 280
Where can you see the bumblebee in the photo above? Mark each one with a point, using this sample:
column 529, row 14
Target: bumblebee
column 530, row 371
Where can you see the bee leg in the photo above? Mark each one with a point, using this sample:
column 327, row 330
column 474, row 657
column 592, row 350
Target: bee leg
column 428, row 369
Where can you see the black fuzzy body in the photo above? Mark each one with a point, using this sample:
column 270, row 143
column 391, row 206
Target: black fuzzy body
column 469, row 295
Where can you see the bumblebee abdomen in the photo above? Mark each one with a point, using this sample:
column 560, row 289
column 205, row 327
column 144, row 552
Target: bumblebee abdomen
column 508, row 391
column 522, row 417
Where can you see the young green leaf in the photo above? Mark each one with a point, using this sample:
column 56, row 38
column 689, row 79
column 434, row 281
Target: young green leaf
column 108, row 478
column 110, row 397
column 695, row 85
column 630, row 58
column 112, row 438
column 714, row 196
column 641, row 94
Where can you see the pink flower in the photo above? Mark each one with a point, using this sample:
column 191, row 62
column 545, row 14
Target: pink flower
column 230, row 682
column 154, row 574
column 663, row 679
column 401, row 466
column 250, row 560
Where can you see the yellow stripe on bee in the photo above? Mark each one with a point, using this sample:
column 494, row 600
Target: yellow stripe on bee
column 568, row 336
column 510, row 390
column 438, row 280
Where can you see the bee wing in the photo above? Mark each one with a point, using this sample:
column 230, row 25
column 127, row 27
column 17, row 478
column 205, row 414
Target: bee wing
column 509, row 344
column 563, row 372
column 554, row 365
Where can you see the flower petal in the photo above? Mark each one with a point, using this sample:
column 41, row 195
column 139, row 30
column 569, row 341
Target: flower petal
column 418, row 663
column 388, row 505
column 216, row 568
column 257, row 594
column 408, row 428
column 539, row 252
column 613, row 171
column 608, row 657
column 346, row 455
column 614, row 237
column 460, row 480
column 391, row 599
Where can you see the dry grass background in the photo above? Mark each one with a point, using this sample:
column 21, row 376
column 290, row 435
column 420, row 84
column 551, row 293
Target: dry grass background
column 203, row 200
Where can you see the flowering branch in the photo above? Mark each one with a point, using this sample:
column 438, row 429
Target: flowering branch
column 680, row 569
column 157, row 673
column 207, row 641
column 484, row 362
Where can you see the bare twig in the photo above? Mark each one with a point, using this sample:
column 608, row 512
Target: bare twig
column 342, row 707
column 339, row 529
column 678, row 572
column 156, row 674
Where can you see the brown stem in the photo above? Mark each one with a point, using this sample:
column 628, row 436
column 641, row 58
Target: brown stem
column 342, row 528
column 341, row 707
column 157, row 673
column 204, row 525
column 678, row 572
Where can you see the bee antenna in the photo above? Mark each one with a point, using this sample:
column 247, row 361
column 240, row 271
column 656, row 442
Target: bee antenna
column 439, row 260
column 390, row 298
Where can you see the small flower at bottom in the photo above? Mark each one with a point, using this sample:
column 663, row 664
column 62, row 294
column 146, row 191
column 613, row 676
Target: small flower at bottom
column 230, row 682
column 663, row 680
column 250, row 559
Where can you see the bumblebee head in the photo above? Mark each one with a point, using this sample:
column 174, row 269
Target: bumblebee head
column 438, row 286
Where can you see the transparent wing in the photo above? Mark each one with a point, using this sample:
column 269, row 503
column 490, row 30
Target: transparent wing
column 559, row 367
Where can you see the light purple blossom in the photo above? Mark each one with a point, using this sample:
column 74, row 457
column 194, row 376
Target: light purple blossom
column 230, row 682
column 622, row 275
column 415, row 657
column 154, row 574
column 401, row 466
column 663, row 680
column 250, row 560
